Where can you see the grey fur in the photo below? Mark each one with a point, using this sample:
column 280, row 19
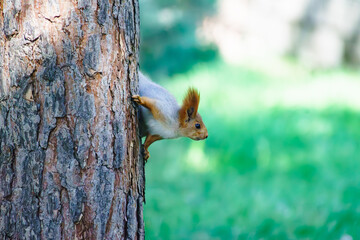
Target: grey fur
column 166, row 102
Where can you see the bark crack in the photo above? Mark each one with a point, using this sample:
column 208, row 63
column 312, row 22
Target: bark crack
column 81, row 108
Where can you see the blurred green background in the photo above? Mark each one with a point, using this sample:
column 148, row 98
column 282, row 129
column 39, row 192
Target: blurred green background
column 280, row 97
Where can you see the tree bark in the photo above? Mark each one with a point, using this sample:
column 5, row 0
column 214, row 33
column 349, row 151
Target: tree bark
column 70, row 164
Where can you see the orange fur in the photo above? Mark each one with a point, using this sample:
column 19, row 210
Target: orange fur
column 148, row 141
column 190, row 105
column 150, row 104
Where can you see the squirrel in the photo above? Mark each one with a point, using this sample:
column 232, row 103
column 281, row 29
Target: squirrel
column 161, row 117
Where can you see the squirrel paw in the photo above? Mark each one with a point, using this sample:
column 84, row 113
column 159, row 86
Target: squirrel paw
column 146, row 155
column 137, row 99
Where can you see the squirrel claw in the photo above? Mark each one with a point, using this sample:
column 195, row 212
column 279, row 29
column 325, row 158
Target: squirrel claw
column 136, row 98
column 146, row 155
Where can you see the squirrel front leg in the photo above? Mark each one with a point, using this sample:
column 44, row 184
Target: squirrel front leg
column 148, row 141
column 149, row 103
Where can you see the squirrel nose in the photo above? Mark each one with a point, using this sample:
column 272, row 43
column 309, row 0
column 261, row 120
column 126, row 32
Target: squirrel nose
column 206, row 136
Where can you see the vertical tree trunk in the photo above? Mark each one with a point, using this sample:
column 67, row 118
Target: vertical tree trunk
column 69, row 163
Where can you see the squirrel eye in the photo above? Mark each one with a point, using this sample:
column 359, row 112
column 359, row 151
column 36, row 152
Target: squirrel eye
column 197, row 126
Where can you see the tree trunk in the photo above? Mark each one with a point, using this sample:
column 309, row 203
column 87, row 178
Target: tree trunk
column 69, row 165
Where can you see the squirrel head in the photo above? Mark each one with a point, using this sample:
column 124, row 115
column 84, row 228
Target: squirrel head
column 190, row 121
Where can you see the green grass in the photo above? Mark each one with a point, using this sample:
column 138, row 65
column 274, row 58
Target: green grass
column 281, row 160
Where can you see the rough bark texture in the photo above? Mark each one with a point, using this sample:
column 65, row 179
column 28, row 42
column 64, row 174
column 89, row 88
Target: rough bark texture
column 69, row 163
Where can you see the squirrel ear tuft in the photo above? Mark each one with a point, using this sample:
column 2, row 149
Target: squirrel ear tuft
column 190, row 112
column 190, row 105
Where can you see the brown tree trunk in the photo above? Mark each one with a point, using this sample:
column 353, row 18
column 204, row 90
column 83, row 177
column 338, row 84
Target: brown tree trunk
column 69, row 163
